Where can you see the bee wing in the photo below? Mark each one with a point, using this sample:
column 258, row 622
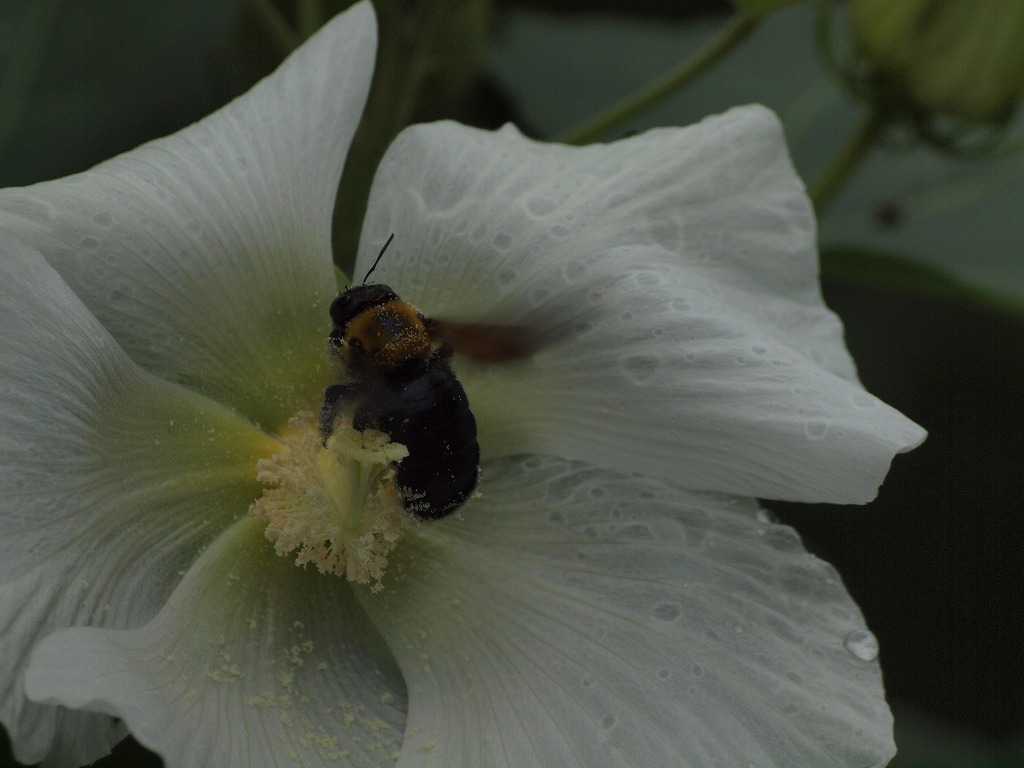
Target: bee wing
column 488, row 342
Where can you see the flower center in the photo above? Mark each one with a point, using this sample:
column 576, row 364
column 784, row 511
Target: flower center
column 337, row 505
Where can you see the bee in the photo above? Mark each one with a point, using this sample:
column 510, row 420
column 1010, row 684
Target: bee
column 401, row 383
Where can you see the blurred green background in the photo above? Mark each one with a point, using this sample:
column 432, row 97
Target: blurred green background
column 923, row 257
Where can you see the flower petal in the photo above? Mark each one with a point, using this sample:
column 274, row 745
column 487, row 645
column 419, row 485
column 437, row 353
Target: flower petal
column 579, row 618
column 676, row 271
column 206, row 254
column 253, row 661
column 111, row 481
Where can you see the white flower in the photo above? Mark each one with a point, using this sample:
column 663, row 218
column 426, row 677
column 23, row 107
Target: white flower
column 601, row 602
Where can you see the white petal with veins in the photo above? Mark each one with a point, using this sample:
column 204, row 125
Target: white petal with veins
column 579, row 618
column 206, row 254
column 676, row 272
column 111, row 482
column 252, row 662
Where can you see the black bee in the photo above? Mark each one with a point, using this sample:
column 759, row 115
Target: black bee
column 402, row 384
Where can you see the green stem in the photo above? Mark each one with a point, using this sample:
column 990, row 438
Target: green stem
column 270, row 17
column 849, row 158
column 738, row 29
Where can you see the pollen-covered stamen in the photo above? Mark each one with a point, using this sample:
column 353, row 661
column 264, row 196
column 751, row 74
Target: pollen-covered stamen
column 337, row 505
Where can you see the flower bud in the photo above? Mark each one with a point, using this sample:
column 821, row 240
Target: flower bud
column 958, row 58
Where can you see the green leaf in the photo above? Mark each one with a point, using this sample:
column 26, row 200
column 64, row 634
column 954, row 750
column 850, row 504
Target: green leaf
column 957, row 214
column 858, row 264
column 81, row 80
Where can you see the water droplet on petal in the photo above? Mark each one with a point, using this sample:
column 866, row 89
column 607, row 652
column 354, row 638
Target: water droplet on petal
column 506, row 277
column 815, row 430
column 540, row 206
column 863, row 400
column 574, row 271
column 667, row 611
column 502, row 241
column 637, row 531
column 862, row 644
column 641, row 368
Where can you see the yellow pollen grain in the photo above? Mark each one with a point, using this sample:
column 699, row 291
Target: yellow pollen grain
column 335, row 506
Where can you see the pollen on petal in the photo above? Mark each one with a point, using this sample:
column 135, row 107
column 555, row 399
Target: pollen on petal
column 335, row 506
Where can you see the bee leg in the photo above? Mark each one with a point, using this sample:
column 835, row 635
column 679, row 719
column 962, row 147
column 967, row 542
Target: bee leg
column 367, row 416
column 364, row 418
column 334, row 396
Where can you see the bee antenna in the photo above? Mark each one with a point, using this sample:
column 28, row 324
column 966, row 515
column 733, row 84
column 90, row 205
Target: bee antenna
column 386, row 244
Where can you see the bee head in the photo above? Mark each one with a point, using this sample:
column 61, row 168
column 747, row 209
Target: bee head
column 375, row 333
column 357, row 299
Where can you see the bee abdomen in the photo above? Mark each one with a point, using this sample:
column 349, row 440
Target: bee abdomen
column 439, row 431
column 433, row 488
